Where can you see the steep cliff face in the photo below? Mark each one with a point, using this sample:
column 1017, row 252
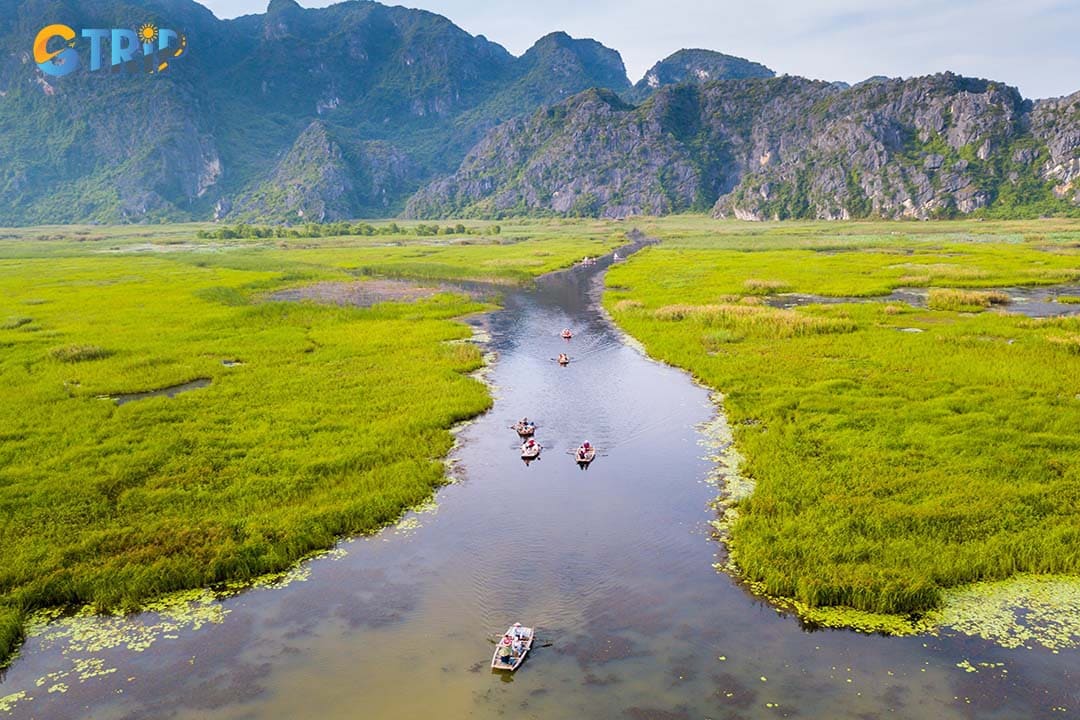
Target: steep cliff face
column 405, row 93
column 778, row 148
column 927, row 147
column 67, row 155
column 588, row 156
column 1056, row 124
column 100, row 147
column 311, row 183
column 353, row 109
column 559, row 66
column 321, row 180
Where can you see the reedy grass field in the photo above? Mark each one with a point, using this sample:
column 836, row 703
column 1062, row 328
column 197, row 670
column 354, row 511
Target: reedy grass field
column 888, row 465
column 895, row 451
column 335, row 421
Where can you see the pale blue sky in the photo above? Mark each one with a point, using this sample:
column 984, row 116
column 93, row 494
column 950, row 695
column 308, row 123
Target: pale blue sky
column 1033, row 44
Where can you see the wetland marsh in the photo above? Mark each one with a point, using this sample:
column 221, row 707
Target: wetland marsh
column 617, row 566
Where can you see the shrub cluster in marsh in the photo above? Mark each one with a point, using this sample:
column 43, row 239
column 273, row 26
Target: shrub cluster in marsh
column 888, row 465
column 16, row 323
column 965, row 300
column 706, row 258
column 339, row 229
column 1070, row 343
column 765, row 287
column 332, row 423
column 755, row 320
column 78, row 353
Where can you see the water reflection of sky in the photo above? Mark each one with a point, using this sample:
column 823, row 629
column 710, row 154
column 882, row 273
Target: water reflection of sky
column 613, row 566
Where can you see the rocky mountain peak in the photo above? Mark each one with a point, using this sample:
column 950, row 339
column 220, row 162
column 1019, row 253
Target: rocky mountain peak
column 348, row 110
column 697, row 66
column 563, row 56
column 278, row 7
column 777, row 148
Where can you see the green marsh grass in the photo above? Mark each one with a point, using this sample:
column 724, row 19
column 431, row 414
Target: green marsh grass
column 336, row 420
column 965, row 300
column 889, row 466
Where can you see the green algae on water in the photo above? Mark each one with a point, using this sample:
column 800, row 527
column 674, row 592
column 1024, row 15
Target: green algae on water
column 84, row 634
column 876, row 455
column 87, row 632
column 1024, row 611
column 147, row 498
column 8, row 702
column 862, row 621
column 726, row 477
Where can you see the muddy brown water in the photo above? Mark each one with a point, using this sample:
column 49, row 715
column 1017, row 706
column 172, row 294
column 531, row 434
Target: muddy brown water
column 613, row 565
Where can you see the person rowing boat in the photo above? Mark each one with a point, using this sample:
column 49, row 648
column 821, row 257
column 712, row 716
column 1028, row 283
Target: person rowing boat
column 512, row 648
column 564, row 359
column 530, row 449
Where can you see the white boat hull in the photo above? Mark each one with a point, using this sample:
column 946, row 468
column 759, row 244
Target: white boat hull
column 515, row 662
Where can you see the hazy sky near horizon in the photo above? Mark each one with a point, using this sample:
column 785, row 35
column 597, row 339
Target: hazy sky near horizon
column 1033, row 44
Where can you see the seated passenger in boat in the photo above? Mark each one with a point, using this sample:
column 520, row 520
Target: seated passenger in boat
column 505, row 651
column 521, row 633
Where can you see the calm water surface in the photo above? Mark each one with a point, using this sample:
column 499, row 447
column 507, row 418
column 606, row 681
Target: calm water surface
column 613, row 565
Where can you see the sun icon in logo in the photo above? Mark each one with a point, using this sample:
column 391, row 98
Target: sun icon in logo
column 148, row 33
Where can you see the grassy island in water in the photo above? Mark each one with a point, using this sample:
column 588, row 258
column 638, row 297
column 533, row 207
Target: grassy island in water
column 898, row 447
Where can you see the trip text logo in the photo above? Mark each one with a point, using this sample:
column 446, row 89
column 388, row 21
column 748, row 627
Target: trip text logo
column 115, row 48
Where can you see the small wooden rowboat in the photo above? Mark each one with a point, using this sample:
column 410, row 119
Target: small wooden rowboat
column 564, row 361
column 585, row 458
column 515, row 662
column 566, row 334
column 530, row 453
column 525, row 430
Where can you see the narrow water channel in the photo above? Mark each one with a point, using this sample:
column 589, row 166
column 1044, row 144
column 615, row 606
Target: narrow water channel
column 613, row 565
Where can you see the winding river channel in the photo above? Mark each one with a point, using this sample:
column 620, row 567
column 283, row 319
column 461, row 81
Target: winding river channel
column 614, row 565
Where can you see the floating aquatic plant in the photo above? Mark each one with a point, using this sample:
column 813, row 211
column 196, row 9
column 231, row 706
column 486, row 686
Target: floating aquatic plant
column 1020, row 612
column 887, row 466
column 350, row 408
column 8, row 702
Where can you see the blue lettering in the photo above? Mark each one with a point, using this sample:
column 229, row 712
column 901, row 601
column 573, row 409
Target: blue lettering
column 124, row 47
column 124, row 44
column 165, row 35
column 95, row 35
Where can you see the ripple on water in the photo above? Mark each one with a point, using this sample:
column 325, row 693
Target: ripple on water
column 595, row 649
column 649, row 713
column 608, row 567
